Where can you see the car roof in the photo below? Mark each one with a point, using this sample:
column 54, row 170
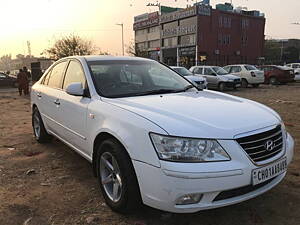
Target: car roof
column 106, row 58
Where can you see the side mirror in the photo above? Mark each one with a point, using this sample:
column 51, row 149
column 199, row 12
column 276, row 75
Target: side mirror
column 75, row 89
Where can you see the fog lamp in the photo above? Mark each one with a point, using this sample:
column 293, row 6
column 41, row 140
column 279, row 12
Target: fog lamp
column 189, row 199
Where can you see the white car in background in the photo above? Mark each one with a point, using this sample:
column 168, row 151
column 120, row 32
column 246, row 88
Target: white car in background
column 248, row 73
column 217, row 77
column 169, row 146
column 199, row 81
column 296, row 67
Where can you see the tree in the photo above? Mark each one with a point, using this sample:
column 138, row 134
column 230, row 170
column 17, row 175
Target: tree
column 133, row 50
column 70, row 45
column 5, row 63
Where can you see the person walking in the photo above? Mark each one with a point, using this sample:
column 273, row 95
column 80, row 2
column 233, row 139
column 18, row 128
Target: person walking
column 23, row 84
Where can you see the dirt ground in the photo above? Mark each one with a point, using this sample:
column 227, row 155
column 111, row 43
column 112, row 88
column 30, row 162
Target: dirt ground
column 51, row 184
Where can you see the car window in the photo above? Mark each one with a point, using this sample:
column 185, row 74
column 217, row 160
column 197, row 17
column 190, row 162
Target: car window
column 208, row 71
column 45, row 79
column 236, row 69
column 295, row 66
column 74, row 74
column 198, row 70
column 159, row 77
column 249, row 67
column 227, row 68
column 56, row 75
column 2, row 75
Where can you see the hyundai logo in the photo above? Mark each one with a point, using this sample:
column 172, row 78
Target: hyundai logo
column 269, row 145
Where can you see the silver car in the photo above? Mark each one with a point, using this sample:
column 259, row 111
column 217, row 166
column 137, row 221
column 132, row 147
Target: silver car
column 217, row 77
column 198, row 81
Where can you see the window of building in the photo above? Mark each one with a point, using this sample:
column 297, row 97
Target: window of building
column 220, row 21
column 169, row 42
column 56, row 75
column 245, row 23
column 74, row 74
column 153, row 29
column 154, row 44
column 142, row 45
column 244, row 40
column 187, row 39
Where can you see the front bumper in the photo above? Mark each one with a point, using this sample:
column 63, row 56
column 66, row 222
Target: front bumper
column 160, row 187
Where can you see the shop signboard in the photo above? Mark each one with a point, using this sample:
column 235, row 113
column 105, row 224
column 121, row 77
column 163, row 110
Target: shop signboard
column 151, row 19
column 188, row 12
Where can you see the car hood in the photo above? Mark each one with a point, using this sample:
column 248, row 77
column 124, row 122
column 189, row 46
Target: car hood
column 202, row 114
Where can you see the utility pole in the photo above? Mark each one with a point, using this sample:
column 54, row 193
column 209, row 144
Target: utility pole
column 122, row 26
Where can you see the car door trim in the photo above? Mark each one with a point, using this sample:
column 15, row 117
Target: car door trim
column 68, row 129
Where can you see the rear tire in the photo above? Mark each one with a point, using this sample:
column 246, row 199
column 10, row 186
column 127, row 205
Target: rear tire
column 244, row 83
column 39, row 130
column 115, row 171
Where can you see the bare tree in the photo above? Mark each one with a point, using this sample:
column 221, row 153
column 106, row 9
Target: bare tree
column 133, row 50
column 5, row 63
column 70, row 45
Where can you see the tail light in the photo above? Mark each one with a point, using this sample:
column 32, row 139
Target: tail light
column 253, row 74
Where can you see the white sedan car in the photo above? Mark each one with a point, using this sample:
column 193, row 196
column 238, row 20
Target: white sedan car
column 163, row 144
column 199, row 81
column 248, row 73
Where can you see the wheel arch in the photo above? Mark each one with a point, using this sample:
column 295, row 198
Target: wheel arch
column 102, row 136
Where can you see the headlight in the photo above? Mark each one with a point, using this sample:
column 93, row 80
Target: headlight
column 188, row 149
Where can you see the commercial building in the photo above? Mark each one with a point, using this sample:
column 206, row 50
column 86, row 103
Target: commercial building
column 147, row 35
column 203, row 35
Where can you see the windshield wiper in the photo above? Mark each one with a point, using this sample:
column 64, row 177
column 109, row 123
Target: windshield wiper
column 187, row 88
column 158, row 91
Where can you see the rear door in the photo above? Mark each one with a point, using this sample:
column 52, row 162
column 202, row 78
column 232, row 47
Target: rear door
column 73, row 109
column 48, row 97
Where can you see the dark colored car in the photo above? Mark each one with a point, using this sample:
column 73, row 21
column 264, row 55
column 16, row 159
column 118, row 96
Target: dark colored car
column 277, row 74
column 7, row 81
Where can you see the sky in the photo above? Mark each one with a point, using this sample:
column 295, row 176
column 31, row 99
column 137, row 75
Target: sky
column 43, row 21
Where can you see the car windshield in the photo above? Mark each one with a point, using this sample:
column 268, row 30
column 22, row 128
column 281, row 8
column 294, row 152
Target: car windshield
column 125, row 78
column 183, row 71
column 249, row 67
column 219, row 70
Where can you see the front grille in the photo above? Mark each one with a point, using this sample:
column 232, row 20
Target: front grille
column 240, row 191
column 256, row 145
column 237, row 80
column 199, row 82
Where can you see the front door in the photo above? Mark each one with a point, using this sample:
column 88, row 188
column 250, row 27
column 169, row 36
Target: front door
column 73, row 109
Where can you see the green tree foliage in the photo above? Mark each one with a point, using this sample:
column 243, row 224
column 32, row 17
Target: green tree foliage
column 70, row 45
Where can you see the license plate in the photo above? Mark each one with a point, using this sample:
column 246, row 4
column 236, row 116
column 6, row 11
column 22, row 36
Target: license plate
column 265, row 173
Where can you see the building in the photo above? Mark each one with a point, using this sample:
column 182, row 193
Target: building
column 147, row 35
column 202, row 35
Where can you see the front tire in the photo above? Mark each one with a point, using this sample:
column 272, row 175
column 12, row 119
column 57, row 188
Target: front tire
column 117, row 177
column 222, row 87
column 39, row 130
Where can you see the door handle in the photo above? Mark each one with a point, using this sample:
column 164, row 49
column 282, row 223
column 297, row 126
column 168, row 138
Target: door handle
column 39, row 94
column 56, row 102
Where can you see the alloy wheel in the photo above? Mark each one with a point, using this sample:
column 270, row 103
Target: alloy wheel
column 110, row 176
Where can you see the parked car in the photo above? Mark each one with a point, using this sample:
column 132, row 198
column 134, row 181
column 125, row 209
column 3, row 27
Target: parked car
column 277, row 74
column 199, row 81
column 169, row 146
column 248, row 73
column 217, row 77
column 7, row 81
column 295, row 66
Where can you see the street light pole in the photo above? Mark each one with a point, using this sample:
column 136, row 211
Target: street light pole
column 122, row 25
